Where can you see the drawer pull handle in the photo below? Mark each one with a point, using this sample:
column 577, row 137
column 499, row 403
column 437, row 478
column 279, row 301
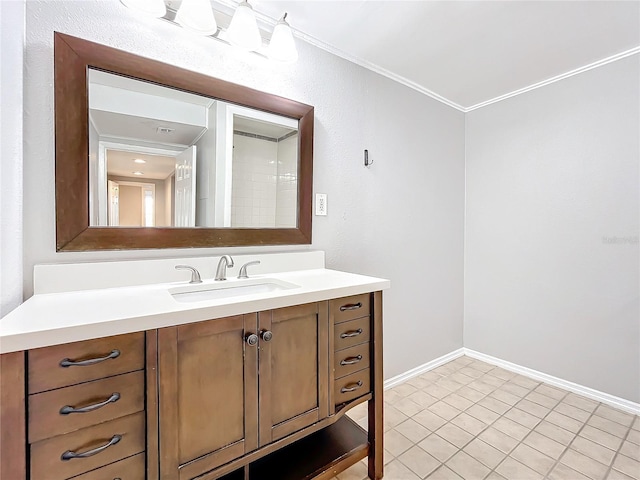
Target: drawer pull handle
column 351, row 360
column 351, row 306
column 92, row 361
column 351, row 387
column 67, row 409
column 69, row 455
column 352, row 333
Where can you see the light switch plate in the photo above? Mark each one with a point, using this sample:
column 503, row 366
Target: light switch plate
column 321, row 204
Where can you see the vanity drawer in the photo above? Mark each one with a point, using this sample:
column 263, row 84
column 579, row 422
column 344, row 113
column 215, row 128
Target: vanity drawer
column 46, row 455
column 88, row 360
column 348, row 308
column 132, row 468
column 351, row 360
column 352, row 386
column 353, row 332
column 102, row 400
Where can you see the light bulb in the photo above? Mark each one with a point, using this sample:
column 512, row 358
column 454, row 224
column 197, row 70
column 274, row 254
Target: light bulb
column 152, row 8
column 243, row 31
column 197, row 16
column 282, row 46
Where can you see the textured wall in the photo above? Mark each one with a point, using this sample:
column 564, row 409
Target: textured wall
column 551, row 267
column 401, row 219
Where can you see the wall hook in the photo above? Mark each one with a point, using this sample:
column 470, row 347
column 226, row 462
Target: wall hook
column 367, row 162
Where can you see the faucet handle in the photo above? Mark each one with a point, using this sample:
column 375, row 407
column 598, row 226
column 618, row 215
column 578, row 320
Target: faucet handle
column 195, row 274
column 243, row 269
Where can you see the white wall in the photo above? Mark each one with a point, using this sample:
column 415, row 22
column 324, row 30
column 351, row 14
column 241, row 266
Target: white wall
column 401, row 219
column 287, row 183
column 12, row 30
column 551, row 269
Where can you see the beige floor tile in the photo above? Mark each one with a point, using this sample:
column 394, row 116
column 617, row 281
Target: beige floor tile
column 550, row 391
column 515, row 389
column 593, row 450
column 419, row 382
column 462, row 361
column 573, row 412
column 467, row 467
column 554, row 432
column 391, row 396
column 499, row 440
column 505, row 397
column 630, row 450
column 471, row 394
column 393, row 417
column 430, row 376
column 469, row 424
column 355, row 472
column 494, row 405
column 482, row 386
column 483, row 414
column 532, row 458
column 511, row 428
column 584, row 464
column 429, row 420
column 522, row 417
column 482, row 366
column 387, row 457
column 444, row 410
column 634, row 437
column 615, row 415
column 471, row 372
column 545, row 445
column 562, row 472
column 437, row 390
column 446, row 369
column 438, row 447
column 525, row 382
column 608, row 426
column 449, row 384
column 412, row 430
column 616, row 475
column 419, row 461
column 580, row 402
column 514, row 470
column 636, row 424
column 461, row 378
column 491, row 380
column 484, row 453
column 359, row 411
column 533, row 408
column 404, row 389
column 398, row 471
column 495, row 476
column 444, row 473
column 541, row 399
column 457, row 401
column 603, row 438
column 423, row 399
column 396, row 443
column 563, row 421
column 628, row 466
column 454, row 435
column 502, row 373
column 408, row 406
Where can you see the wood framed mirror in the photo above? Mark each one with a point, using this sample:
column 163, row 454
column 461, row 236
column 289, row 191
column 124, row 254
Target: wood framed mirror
column 85, row 217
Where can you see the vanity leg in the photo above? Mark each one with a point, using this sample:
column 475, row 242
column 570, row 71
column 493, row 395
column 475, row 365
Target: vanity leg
column 376, row 419
column 13, row 436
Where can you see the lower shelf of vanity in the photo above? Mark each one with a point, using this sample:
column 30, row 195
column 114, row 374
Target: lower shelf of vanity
column 319, row 456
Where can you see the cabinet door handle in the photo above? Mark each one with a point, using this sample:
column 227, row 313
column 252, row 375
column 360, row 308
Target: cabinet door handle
column 69, row 455
column 351, row 387
column 351, row 333
column 350, row 306
column 351, row 360
column 251, row 339
column 92, row 361
column 266, row 335
column 67, row 409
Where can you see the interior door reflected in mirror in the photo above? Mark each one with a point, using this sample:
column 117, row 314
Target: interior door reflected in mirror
column 162, row 157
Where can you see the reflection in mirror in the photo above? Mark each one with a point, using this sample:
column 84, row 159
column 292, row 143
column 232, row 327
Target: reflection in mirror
column 161, row 157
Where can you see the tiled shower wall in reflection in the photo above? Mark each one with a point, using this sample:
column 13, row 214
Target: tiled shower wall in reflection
column 264, row 182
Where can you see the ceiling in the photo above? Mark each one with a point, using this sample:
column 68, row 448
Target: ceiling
column 466, row 53
column 121, row 164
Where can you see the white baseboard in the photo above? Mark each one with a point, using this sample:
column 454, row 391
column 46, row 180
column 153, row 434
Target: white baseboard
column 612, row 400
column 419, row 370
column 591, row 393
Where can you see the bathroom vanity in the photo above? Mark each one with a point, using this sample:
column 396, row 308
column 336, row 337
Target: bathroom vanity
column 136, row 382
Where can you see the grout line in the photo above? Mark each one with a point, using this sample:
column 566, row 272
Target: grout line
column 615, row 455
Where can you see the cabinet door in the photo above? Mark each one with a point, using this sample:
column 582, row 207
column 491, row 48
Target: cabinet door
column 294, row 369
column 207, row 395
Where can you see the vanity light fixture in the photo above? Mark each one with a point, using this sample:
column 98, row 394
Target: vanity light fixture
column 197, row 16
column 242, row 32
column 152, row 8
column 138, row 160
column 138, row 173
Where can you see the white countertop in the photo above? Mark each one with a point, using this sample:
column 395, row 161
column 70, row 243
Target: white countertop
column 56, row 318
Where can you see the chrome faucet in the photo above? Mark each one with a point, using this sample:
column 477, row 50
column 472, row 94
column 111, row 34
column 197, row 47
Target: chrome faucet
column 195, row 274
column 243, row 269
column 221, row 271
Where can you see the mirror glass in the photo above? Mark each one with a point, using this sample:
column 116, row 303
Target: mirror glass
column 162, row 157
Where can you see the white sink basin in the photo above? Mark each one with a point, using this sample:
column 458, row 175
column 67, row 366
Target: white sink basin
column 227, row 289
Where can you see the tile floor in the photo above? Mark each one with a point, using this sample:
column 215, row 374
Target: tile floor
column 470, row 420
